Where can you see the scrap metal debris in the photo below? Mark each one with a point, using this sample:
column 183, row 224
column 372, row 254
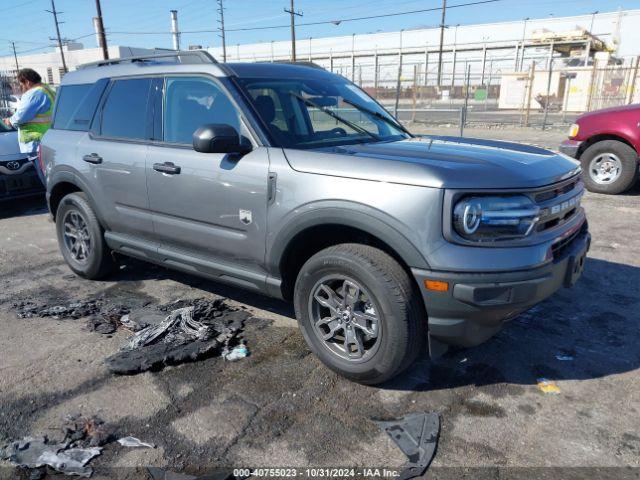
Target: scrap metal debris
column 416, row 435
column 73, row 310
column 133, row 442
column 192, row 330
column 37, row 452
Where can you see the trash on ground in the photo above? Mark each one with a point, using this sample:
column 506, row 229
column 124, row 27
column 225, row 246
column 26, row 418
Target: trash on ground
column 107, row 322
column 73, row 310
column 140, row 319
column 564, row 357
column 548, row 386
column 416, row 435
column 87, row 431
column 134, row 442
column 192, row 330
column 36, row 452
column 236, row 353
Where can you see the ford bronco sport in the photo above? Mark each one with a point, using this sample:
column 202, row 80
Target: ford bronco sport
column 291, row 181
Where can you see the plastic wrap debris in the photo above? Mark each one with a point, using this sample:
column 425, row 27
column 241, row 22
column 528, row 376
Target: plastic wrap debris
column 236, row 353
column 36, row 452
column 416, row 435
column 74, row 310
column 547, row 386
column 133, row 442
column 193, row 330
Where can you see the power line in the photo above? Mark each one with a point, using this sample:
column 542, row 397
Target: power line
column 222, row 34
column 55, row 19
column 292, row 11
column 324, row 22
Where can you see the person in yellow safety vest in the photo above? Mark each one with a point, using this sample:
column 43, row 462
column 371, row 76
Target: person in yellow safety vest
column 33, row 115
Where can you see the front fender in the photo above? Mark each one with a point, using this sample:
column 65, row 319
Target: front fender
column 362, row 217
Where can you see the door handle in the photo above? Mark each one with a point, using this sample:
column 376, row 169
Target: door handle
column 92, row 158
column 167, row 167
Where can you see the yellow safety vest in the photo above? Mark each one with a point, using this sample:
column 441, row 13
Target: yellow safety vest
column 34, row 130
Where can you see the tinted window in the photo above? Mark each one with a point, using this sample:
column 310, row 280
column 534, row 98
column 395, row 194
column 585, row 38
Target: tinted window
column 191, row 102
column 76, row 105
column 125, row 112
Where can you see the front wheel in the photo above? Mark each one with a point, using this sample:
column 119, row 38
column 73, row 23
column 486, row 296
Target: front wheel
column 360, row 312
column 609, row 166
column 81, row 238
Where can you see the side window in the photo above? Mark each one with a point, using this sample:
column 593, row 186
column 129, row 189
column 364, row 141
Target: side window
column 76, row 105
column 191, row 102
column 124, row 114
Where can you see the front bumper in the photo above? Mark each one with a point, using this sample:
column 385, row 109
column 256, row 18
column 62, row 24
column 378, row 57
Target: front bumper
column 476, row 305
column 19, row 185
column 570, row 147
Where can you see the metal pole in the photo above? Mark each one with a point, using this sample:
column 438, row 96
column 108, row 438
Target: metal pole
column 55, row 19
column 426, row 66
column 375, row 71
column 524, row 31
column 15, row 56
column 175, row 34
column 484, row 62
column 100, row 31
column 455, row 55
column 444, row 12
column 222, row 33
column 546, row 104
column 291, row 11
column 632, row 87
column 309, row 48
column 399, row 81
column 529, row 90
column 353, row 57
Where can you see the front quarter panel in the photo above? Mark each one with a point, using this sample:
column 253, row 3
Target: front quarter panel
column 405, row 217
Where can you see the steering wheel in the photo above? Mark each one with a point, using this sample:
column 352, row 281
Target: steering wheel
column 339, row 131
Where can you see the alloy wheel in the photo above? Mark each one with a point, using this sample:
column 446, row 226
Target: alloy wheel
column 77, row 239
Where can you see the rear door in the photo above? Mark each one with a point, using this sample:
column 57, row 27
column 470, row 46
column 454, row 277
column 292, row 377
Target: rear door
column 114, row 156
column 212, row 206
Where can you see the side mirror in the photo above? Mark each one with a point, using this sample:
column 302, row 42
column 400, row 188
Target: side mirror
column 219, row 138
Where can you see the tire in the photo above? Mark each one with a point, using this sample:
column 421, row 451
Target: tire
column 73, row 212
column 619, row 157
column 385, row 292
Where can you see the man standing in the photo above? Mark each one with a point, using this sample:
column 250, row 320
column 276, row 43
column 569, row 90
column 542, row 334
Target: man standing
column 33, row 115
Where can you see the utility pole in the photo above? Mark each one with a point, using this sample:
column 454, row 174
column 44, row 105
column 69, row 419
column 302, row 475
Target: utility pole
column 175, row 33
column 13, row 45
column 291, row 11
column 444, row 12
column 55, row 19
column 99, row 26
column 222, row 35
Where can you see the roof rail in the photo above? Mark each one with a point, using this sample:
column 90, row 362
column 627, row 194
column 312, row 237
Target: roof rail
column 304, row 63
column 188, row 56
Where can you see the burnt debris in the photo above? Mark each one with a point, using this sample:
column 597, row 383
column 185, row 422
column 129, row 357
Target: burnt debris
column 193, row 329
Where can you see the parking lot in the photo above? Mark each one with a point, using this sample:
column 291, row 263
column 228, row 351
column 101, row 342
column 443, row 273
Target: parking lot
column 280, row 407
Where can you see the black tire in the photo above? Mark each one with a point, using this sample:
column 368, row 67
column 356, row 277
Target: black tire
column 398, row 306
column 629, row 166
column 98, row 261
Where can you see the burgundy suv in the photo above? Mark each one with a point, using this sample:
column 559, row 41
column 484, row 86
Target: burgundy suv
column 607, row 143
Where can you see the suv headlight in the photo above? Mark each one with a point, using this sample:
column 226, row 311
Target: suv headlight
column 573, row 130
column 491, row 218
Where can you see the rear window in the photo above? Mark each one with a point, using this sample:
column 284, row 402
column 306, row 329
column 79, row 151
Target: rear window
column 76, row 105
column 124, row 114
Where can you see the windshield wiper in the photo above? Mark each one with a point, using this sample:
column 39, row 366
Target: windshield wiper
column 331, row 113
column 393, row 123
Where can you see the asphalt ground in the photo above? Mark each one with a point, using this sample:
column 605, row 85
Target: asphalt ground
column 281, row 407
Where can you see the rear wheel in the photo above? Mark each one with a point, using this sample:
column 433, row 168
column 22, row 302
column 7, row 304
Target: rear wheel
column 360, row 313
column 609, row 167
column 81, row 238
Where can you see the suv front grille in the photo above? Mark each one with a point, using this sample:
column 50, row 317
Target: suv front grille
column 558, row 203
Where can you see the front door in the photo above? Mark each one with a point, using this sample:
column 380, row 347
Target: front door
column 206, row 205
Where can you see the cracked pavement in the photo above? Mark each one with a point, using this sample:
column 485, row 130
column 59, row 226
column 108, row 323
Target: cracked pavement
column 281, row 407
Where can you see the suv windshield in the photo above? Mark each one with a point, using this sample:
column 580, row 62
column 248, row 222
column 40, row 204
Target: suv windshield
column 312, row 113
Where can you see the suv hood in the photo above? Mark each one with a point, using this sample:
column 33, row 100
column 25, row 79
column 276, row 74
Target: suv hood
column 441, row 162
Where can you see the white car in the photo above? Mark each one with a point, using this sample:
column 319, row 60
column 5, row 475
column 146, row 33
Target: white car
column 18, row 177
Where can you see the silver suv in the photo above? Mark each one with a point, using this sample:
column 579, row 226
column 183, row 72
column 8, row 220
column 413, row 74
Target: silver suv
column 291, row 181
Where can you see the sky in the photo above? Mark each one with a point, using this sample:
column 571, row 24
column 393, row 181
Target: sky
column 30, row 26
